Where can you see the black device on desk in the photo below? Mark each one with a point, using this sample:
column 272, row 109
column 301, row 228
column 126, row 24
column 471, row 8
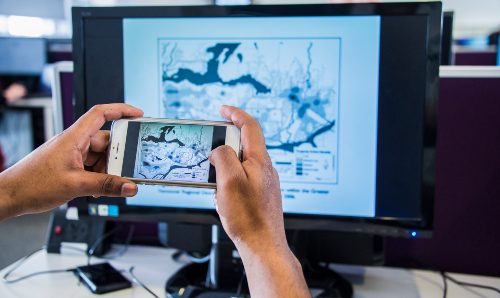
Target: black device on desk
column 102, row 278
column 344, row 93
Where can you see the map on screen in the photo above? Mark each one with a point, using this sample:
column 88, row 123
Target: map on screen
column 289, row 85
column 173, row 152
column 311, row 82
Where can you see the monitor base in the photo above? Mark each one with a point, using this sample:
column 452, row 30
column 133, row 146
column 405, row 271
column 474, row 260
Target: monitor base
column 326, row 282
column 191, row 281
column 223, row 275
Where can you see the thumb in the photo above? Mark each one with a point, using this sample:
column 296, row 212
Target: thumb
column 100, row 184
column 226, row 163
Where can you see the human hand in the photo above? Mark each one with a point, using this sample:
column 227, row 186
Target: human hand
column 15, row 92
column 248, row 195
column 70, row 165
column 248, row 200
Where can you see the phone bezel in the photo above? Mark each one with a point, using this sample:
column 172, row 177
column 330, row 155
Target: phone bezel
column 118, row 140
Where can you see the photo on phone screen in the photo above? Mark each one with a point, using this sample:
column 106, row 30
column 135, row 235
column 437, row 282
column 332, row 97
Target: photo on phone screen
column 171, row 152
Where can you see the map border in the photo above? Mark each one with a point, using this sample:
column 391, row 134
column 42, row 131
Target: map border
column 336, row 159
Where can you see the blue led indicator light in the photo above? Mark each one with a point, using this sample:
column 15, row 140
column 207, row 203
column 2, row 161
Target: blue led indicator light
column 413, row 234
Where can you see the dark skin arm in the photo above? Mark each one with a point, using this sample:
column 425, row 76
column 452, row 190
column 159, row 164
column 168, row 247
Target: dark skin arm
column 248, row 194
column 248, row 201
column 69, row 165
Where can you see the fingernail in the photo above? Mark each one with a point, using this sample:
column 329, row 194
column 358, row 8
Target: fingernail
column 223, row 110
column 129, row 190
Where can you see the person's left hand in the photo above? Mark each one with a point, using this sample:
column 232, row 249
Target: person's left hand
column 70, row 165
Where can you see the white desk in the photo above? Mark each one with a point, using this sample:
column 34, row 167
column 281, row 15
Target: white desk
column 154, row 265
column 44, row 103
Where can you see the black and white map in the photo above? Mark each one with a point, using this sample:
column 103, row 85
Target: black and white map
column 290, row 85
column 173, row 152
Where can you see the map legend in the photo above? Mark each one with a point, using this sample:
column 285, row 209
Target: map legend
column 299, row 167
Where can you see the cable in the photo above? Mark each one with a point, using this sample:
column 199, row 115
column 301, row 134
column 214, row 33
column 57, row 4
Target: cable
column 22, row 261
column 467, row 284
column 458, row 282
column 125, row 247
column 11, row 281
column 89, row 254
column 445, row 284
column 198, row 260
column 194, row 259
column 136, row 280
column 93, row 247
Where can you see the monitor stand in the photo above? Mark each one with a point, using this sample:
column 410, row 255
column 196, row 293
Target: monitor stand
column 223, row 275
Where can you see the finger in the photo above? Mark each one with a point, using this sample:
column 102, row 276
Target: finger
column 92, row 158
column 101, row 165
column 227, row 165
column 98, row 184
column 252, row 138
column 94, row 119
column 100, row 141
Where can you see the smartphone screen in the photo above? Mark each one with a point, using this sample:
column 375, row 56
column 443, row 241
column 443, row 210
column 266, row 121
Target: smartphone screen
column 171, row 152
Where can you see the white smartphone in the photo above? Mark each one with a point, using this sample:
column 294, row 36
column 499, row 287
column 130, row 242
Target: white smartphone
column 168, row 151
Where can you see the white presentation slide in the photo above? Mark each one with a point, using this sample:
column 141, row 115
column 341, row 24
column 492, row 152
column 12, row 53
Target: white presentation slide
column 311, row 82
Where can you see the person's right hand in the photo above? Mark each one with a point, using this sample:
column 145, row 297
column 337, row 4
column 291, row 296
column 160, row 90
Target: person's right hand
column 248, row 200
column 248, row 195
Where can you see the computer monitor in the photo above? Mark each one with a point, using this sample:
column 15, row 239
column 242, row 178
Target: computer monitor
column 22, row 56
column 63, row 95
column 341, row 92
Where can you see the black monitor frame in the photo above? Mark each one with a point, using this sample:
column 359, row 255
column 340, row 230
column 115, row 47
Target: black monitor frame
column 447, row 38
column 391, row 226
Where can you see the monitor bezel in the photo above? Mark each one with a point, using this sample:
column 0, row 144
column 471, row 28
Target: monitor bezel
column 59, row 68
column 402, row 227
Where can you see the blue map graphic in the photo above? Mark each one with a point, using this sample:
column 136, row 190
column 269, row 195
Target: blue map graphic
column 289, row 85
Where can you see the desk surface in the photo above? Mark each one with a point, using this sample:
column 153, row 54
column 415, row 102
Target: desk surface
column 154, row 265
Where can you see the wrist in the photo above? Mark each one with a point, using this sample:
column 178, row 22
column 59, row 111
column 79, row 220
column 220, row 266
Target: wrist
column 264, row 248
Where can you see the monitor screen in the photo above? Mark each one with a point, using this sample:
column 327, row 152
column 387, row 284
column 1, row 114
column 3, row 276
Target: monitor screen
column 289, row 78
column 22, row 56
column 340, row 97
